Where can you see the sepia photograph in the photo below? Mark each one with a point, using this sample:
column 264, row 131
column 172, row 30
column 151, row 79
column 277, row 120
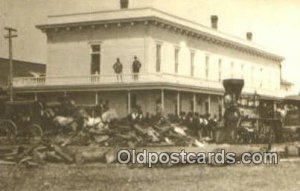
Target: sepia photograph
column 100, row 95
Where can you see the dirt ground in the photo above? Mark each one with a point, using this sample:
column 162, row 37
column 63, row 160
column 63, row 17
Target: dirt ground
column 284, row 176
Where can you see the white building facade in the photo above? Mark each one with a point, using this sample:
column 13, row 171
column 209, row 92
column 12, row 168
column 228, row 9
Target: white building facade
column 183, row 62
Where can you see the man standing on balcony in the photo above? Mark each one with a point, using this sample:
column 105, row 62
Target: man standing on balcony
column 136, row 65
column 118, row 68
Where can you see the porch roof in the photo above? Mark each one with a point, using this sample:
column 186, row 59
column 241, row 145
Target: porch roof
column 120, row 87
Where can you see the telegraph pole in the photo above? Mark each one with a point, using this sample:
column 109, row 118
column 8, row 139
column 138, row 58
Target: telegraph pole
column 10, row 36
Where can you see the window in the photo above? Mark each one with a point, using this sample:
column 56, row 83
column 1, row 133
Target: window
column 158, row 57
column 176, row 60
column 124, row 4
column 232, row 69
column 207, row 66
column 192, row 62
column 252, row 74
column 242, row 71
column 220, row 69
column 95, row 58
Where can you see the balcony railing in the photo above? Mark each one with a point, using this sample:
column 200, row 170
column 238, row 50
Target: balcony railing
column 129, row 79
column 112, row 79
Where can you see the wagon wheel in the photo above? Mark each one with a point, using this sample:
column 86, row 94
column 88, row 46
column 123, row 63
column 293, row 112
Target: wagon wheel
column 36, row 133
column 8, row 130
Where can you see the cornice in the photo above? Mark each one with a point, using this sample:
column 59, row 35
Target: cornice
column 165, row 21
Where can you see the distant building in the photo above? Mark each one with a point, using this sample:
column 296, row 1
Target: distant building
column 286, row 86
column 183, row 62
column 20, row 69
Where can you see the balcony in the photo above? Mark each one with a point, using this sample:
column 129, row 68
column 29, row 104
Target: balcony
column 112, row 79
column 143, row 80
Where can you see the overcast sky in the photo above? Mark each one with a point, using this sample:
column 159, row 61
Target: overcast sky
column 274, row 23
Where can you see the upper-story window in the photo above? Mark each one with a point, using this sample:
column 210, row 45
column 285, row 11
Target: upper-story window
column 261, row 77
column 124, row 4
column 242, row 71
column 220, row 70
column 232, row 69
column 158, row 57
column 176, row 58
column 206, row 66
column 270, row 84
column 252, row 75
column 95, row 58
column 192, row 62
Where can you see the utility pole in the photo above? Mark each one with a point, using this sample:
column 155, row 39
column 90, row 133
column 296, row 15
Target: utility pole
column 10, row 36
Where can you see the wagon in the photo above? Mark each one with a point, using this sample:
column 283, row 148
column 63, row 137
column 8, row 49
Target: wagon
column 21, row 119
column 259, row 130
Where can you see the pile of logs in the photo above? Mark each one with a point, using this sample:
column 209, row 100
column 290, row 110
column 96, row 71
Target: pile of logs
column 38, row 155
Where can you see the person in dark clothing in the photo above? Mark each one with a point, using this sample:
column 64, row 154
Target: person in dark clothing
column 212, row 123
column 118, row 68
column 136, row 115
column 189, row 121
column 182, row 117
column 136, row 66
column 201, row 128
column 159, row 109
column 99, row 109
column 196, row 125
column 208, row 125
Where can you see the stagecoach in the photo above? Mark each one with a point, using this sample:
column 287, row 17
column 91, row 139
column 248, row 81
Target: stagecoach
column 20, row 119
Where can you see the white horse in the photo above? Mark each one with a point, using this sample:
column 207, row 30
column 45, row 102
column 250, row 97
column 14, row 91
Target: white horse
column 100, row 123
column 63, row 121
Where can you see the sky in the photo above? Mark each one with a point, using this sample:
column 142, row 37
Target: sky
column 274, row 23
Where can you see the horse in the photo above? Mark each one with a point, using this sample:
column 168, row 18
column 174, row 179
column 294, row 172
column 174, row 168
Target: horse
column 97, row 124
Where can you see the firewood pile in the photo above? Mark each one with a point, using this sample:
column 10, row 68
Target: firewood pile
column 124, row 133
column 102, row 136
column 68, row 125
column 108, row 134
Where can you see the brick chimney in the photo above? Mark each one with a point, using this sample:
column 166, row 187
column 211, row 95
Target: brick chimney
column 124, row 4
column 249, row 36
column 214, row 21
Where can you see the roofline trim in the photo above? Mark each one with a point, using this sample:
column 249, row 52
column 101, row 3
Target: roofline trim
column 215, row 35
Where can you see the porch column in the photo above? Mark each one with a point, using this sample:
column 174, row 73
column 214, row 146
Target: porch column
column 162, row 100
column 178, row 103
column 220, row 103
column 209, row 103
column 96, row 98
column 194, row 103
column 129, row 102
column 275, row 106
column 223, row 106
column 65, row 93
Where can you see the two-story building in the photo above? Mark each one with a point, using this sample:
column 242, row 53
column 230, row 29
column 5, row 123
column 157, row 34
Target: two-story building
column 183, row 62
